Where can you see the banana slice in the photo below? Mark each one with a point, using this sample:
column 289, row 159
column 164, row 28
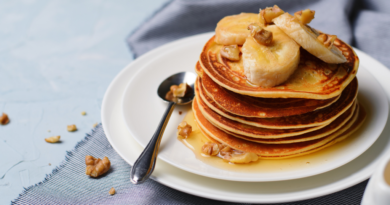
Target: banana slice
column 233, row 30
column 270, row 65
column 308, row 39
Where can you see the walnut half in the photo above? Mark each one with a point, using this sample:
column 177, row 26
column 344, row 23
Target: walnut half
column 210, row 148
column 231, row 52
column 184, row 129
column 266, row 15
column 96, row 167
column 326, row 39
column 305, row 16
column 261, row 35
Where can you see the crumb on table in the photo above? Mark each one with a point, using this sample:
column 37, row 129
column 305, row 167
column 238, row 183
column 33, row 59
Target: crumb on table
column 72, row 128
column 4, row 119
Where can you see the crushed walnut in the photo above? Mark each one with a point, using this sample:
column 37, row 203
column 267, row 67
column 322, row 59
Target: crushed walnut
column 94, row 125
column 112, row 191
column 231, row 52
column 180, row 90
column 72, row 128
column 305, row 16
column 261, row 35
column 327, row 40
column 228, row 154
column 53, row 139
column 176, row 92
column 184, row 129
column 96, row 167
column 266, row 15
column 210, row 148
column 83, row 113
column 4, row 119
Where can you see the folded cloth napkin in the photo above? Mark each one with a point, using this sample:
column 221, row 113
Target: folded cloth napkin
column 68, row 183
column 364, row 24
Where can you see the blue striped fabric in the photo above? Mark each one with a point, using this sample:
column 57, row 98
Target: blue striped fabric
column 68, row 183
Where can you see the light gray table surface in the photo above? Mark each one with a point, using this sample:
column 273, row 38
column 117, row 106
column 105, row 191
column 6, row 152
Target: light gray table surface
column 57, row 59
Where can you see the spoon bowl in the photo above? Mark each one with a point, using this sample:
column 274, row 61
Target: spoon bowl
column 144, row 165
column 177, row 79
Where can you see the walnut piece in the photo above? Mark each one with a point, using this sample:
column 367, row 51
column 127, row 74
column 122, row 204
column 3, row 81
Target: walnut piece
column 112, row 191
column 4, row 119
column 231, row 52
column 326, row 39
column 184, row 129
column 266, row 15
column 83, row 113
column 72, row 128
column 210, row 148
column 261, row 35
column 53, row 139
column 96, row 167
column 94, row 125
column 180, row 90
column 305, row 16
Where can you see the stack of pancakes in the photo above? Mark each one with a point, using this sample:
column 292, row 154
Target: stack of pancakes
column 315, row 108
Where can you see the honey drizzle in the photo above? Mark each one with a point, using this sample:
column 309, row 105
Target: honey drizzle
column 196, row 140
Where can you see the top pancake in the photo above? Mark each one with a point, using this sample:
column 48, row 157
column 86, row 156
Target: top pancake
column 248, row 106
column 313, row 79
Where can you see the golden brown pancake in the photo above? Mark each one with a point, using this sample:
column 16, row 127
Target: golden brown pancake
column 273, row 151
column 313, row 79
column 316, row 118
column 343, row 122
column 248, row 106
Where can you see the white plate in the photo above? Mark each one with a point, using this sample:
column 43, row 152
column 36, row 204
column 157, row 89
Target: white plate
column 260, row 192
column 142, row 110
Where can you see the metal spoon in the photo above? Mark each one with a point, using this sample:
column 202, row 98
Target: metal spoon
column 144, row 165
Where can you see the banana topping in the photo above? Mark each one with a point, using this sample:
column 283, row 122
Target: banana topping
column 305, row 16
column 266, row 15
column 231, row 52
column 310, row 39
column 232, row 30
column 270, row 65
column 261, row 35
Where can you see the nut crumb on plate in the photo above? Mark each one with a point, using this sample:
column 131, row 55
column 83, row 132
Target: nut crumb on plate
column 94, row 125
column 4, row 119
column 83, row 113
column 72, row 128
column 112, row 191
column 96, row 167
column 53, row 139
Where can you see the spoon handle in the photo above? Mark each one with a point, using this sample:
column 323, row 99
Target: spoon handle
column 144, row 165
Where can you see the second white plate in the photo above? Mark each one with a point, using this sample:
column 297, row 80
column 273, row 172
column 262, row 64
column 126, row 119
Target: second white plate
column 142, row 110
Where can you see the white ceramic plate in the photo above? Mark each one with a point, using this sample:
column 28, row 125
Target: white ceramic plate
column 142, row 110
column 247, row 192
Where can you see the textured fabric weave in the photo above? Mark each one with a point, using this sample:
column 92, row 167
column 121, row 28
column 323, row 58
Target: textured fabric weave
column 68, row 183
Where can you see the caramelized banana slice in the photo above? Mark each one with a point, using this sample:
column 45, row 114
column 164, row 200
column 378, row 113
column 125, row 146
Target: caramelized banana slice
column 233, row 30
column 270, row 65
column 310, row 39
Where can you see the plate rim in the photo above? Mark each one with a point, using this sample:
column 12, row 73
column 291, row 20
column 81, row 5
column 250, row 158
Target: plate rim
column 288, row 176
column 361, row 175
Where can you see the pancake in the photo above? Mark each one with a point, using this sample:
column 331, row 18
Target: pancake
column 273, row 151
column 341, row 123
column 313, row 79
column 247, row 130
column 316, row 118
column 247, row 106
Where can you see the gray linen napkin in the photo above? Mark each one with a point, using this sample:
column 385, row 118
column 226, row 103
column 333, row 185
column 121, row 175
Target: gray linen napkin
column 69, row 185
column 364, row 24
